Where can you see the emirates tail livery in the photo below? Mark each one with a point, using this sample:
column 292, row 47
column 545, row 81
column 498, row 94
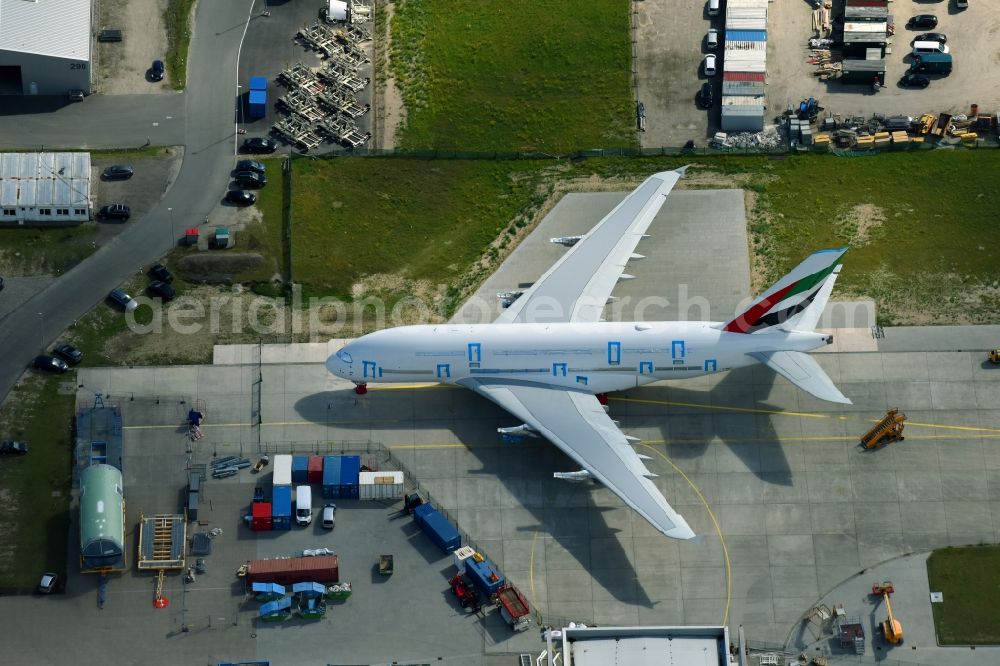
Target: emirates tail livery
column 548, row 356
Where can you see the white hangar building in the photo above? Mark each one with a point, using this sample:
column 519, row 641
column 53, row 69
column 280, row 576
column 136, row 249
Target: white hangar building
column 45, row 46
column 44, row 188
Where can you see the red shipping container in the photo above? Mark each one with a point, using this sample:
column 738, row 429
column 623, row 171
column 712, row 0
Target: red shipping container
column 260, row 517
column 288, row 570
column 315, row 474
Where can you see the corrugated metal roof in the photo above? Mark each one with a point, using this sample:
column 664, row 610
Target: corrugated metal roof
column 746, row 35
column 44, row 179
column 743, row 76
column 755, row 88
column 866, row 13
column 744, row 47
column 747, row 3
column 745, row 66
column 867, row 3
column 745, row 13
column 742, row 101
column 864, row 65
column 746, row 23
column 865, row 26
column 57, row 28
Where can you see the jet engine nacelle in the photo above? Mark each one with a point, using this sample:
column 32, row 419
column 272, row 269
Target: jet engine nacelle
column 568, row 241
column 576, row 477
column 523, row 430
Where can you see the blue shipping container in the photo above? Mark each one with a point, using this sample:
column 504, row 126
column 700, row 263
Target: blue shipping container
column 484, row 575
column 420, row 512
column 300, row 469
column 331, row 477
column 257, row 104
column 746, row 35
column 281, row 507
column 350, row 468
column 258, row 83
column 441, row 532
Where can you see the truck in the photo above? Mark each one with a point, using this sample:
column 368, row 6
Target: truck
column 290, row 570
column 513, row 607
column 932, row 63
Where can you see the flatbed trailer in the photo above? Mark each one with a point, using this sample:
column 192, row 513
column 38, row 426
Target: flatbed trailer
column 513, row 607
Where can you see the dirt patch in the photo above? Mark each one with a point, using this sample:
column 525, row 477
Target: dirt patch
column 219, row 268
column 123, row 66
column 860, row 224
column 391, row 113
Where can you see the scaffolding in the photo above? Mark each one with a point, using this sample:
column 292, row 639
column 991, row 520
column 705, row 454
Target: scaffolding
column 162, row 540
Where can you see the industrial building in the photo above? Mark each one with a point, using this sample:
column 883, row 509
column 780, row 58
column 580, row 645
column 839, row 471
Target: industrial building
column 642, row 646
column 744, row 66
column 40, row 188
column 45, row 47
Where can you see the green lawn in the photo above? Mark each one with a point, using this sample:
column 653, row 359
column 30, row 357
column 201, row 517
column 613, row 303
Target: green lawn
column 36, row 487
column 178, row 16
column 969, row 578
column 546, row 75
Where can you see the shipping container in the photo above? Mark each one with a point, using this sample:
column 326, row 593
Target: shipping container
column 380, row 485
column 258, row 83
column 331, row 477
column 260, row 517
column 484, row 575
column 289, row 570
column 350, row 469
column 315, row 474
column 282, row 475
column 257, row 104
column 300, row 469
column 437, row 527
column 281, row 508
column 421, row 511
column 746, row 35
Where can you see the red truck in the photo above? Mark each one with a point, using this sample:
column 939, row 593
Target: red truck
column 513, row 607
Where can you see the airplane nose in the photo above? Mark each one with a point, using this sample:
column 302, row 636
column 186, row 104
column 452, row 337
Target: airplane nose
column 340, row 364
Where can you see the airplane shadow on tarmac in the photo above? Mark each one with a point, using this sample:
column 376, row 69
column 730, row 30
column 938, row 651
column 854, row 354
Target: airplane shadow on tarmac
column 557, row 506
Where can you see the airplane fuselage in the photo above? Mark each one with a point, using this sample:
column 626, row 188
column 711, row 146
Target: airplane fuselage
column 591, row 357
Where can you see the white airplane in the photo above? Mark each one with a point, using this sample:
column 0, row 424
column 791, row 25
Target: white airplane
column 548, row 358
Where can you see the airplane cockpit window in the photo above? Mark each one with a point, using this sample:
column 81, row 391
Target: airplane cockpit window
column 344, row 356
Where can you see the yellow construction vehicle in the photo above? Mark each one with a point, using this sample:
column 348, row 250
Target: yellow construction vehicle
column 892, row 629
column 994, row 356
column 889, row 429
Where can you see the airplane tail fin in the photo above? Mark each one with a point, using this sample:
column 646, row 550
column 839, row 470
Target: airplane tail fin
column 796, row 300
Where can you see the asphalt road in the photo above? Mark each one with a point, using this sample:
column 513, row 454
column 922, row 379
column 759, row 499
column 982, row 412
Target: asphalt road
column 202, row 120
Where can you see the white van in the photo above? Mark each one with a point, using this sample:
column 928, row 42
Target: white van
column 921, row 48
column 713, row 7
column 303, row 505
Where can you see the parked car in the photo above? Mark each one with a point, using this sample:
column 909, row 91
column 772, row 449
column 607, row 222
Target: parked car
column 50, row 364
column 250, row 165
column 115, row 212
column 712, row 41
column 240, row 197
column 157, row 71
column 913, row 80
column 68, row 353
column 161, row 289
column 160, row 272
column 259, row 144
column 9, row 448
column 922, row 21
column 118, row 172
column 120, row 298
column 329, row 515
column 705, row 96
column 710, row 64
column 932, row 37
column 250, row 179
column 76, row 95
column 48, row 583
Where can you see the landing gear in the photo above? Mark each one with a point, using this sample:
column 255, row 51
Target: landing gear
column 361, row 388
column 602, row 398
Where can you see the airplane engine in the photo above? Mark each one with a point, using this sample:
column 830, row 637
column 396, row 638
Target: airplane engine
column 575, row 477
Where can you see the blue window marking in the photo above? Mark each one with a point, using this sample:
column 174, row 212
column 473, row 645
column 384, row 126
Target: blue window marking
column 580, row 379
column 677, row 349
column 710, row 365
column 368, row 369
column 475, row 354
column 380, row 371
column 645, row 367
column 559, row 369
column 614, row 353
column 443, row 371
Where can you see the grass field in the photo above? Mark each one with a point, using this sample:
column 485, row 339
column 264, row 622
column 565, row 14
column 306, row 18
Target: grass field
column 178, row 17
column 969, row 578
column 547, row 75
column 35, row 488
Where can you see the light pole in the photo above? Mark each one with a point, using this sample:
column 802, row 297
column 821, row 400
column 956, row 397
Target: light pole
column 171, row 231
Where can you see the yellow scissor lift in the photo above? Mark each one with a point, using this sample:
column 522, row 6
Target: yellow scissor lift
column 162, row 545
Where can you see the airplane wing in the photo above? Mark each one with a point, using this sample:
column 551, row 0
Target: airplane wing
column 577, row 287
column 577, row 423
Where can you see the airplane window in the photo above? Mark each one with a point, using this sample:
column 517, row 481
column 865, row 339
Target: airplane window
column 344, row 356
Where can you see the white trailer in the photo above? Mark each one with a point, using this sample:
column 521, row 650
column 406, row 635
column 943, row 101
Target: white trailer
column 282, row 475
